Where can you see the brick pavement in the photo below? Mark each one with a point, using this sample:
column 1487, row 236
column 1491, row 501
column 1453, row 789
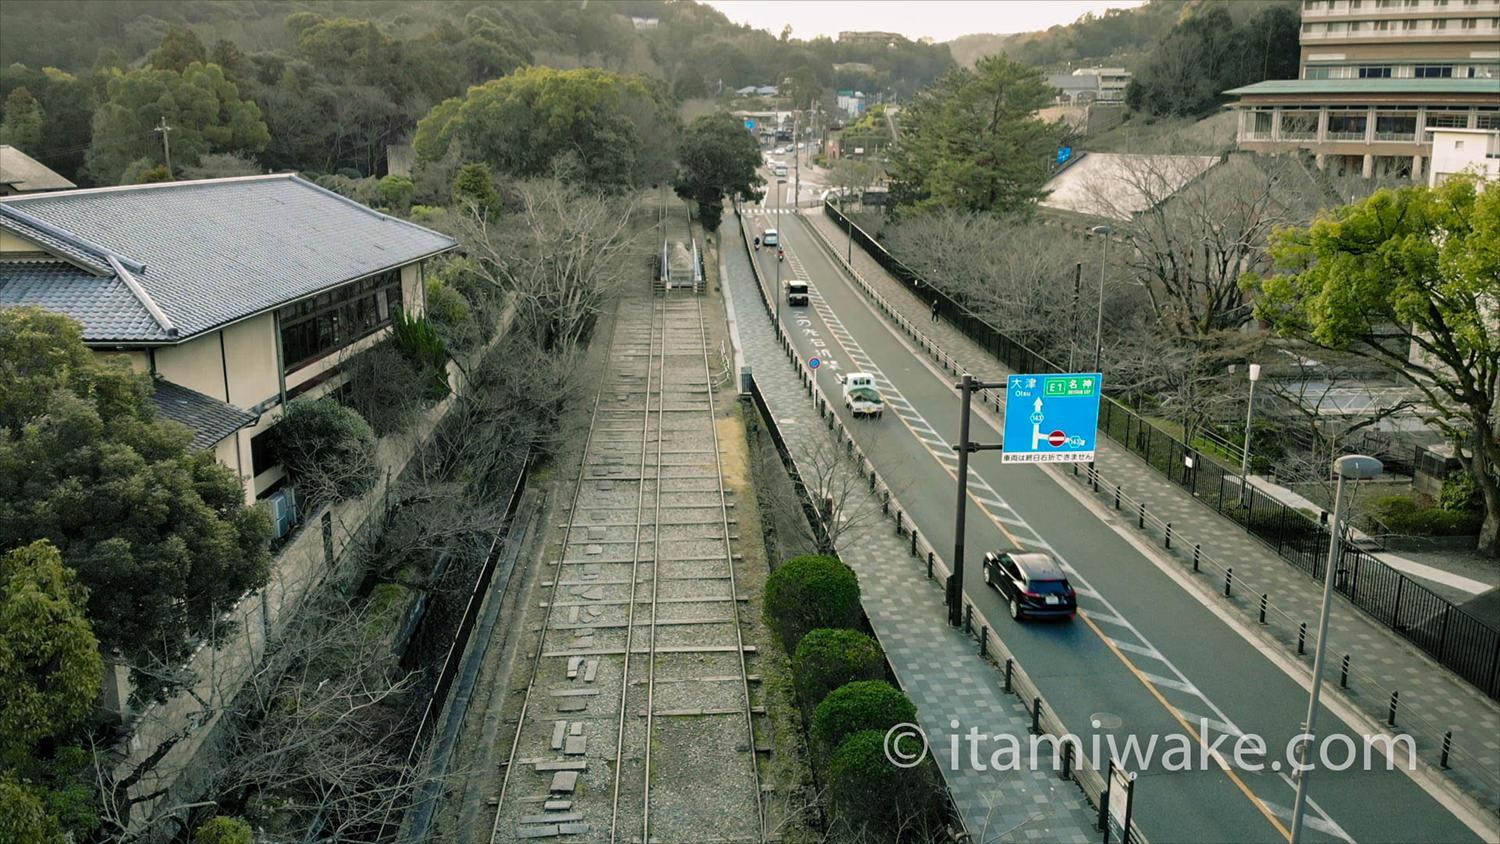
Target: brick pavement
column 1431, row 701
column 937, row 665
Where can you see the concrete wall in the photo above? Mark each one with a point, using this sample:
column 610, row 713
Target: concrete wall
column 316, row 553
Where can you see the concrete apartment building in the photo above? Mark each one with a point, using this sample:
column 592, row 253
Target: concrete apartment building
column 1377, row 76
column 236, row 295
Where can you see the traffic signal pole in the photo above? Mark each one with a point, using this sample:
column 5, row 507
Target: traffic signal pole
column 955, row 588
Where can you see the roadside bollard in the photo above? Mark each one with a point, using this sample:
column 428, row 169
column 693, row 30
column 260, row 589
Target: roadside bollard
column 885, row 503
column 1263, row 597
column 1301, row 638
column 1447, row 745
column 1094, row 476
column 929, row 565
column 898, row 522
column 984, row 641
column 1117, row 496
column 1168, row 538
column 1390, row 718
column 1344, row 673
column 1067, row 761
column 914, row 540
column 968, row 618
column 1140, row 516
column 1009, row 665
column 1036, row 716
column 1197, row 550
column 1228, row 579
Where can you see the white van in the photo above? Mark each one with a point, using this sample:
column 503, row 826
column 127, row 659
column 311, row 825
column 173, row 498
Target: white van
column 781, row 170
column 770, row 238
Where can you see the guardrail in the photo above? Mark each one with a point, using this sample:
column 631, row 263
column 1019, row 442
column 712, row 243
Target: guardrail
column 929, row 560
column 1449, row 634
column 1368, row 583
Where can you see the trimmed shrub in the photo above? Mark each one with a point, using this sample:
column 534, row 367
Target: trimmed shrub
column 419, row 342
column 861, row 705
column 327, row 449
column 222, row 829
column 395, row 192
column 1405, row 516
column 868, row 797
column 808, row 592
column 826, row 659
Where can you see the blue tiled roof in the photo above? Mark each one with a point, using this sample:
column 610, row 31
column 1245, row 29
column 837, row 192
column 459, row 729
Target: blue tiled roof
column 209, row 419
column 222, row 249
column 104, row 306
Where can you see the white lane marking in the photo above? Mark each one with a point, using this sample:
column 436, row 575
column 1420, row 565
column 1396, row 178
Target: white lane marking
column 1178, row 681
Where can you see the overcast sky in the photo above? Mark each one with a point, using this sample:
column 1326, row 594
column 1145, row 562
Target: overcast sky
column 943, row 20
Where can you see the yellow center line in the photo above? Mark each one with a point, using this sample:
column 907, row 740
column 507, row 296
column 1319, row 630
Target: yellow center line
column 1156, row 693
column 1285, row 833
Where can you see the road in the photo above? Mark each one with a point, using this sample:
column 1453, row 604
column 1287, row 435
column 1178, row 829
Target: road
column 1144, row 658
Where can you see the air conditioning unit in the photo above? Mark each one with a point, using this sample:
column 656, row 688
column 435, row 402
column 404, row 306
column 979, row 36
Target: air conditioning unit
column 283, row 512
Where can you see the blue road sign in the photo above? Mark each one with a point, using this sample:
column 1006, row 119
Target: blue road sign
column 814, row 363
column 1051, row 418
column 749, row 124
column 1063, row 154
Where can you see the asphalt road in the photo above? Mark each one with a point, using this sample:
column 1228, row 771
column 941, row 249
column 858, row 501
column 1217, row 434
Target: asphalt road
column 1144, row 659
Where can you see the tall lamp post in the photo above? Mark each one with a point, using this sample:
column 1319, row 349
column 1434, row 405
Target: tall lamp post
column 1354, row 467
column 1105, row 232
column 1249, row 413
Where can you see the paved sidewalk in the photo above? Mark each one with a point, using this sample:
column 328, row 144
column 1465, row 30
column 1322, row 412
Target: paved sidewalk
column 936, row 665
column 1431, row 701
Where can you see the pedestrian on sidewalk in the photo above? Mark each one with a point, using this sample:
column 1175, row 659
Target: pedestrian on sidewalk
column 934, row 310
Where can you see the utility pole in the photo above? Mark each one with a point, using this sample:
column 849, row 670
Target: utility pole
column 955, row 590
column 166, row 145
column 796, row 161
column 1073, row 313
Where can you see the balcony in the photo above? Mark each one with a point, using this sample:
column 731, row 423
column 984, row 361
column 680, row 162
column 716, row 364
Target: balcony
column 1345, row 136
column 1396, row 137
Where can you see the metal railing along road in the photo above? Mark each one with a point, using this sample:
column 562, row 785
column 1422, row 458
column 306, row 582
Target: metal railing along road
column 1449, row 634
column 927, row 557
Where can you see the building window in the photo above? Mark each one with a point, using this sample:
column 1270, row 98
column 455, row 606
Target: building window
column 1375, row 72
column 1261, row 126
column 320, row 325
column 1489, row 120
column 1469, row 23
column 1299, row 125
column 1451, row 120
column 1434, row 71
column 1316, row 73
column 1395, row 127
column 1347, row 125
column 261, row 457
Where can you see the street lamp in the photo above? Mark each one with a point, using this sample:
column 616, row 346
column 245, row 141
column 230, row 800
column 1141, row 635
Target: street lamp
column 1249, row 410
column 1099, row 326
column 1354, row 467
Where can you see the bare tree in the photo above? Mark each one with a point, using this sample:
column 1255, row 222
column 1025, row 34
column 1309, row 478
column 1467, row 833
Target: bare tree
column 1190, row 230
column 563, row 254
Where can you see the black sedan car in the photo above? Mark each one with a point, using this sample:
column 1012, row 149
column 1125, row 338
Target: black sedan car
column 1032, row 582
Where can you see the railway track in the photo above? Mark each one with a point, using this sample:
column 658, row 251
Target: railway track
column 639, row 718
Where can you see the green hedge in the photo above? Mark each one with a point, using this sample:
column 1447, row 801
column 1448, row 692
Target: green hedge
column 827, row 658
column 809, row 592
column 1405, row 516
column 328, row 449
column 871, row 799
column 861, row 705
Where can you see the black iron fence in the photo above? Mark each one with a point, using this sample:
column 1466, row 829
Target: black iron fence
column 1457, row 639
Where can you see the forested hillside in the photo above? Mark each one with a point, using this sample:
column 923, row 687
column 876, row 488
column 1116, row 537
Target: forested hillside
column 326, row 86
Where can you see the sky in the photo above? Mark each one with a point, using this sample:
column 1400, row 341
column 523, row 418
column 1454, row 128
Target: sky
column 943, row 20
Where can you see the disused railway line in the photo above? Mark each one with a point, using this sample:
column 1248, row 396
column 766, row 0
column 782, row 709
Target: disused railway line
column 638, row 722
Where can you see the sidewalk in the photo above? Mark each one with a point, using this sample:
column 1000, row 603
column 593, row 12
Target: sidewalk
column 937, row 665
column 1431, row 700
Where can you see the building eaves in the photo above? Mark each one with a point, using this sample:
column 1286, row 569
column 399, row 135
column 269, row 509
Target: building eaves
column 210, row 420
column 1371, row 87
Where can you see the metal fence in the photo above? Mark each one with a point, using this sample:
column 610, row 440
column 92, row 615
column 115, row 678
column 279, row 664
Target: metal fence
column 1457, row 639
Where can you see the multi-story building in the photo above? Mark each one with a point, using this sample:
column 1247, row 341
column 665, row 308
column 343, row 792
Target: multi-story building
column 1376, row 77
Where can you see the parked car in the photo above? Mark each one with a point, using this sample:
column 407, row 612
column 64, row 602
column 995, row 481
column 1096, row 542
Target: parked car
column 1032, row 582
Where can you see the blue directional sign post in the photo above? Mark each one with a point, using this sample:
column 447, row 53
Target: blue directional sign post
column 1051, row 418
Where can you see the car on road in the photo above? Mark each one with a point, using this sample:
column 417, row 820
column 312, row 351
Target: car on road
column 769, row 237
column 861, row 396
column 796, row 291
column 1032, row 582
